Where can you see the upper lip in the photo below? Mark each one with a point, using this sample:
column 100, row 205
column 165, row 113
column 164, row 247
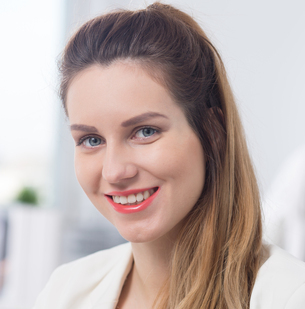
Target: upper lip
column 128, row 192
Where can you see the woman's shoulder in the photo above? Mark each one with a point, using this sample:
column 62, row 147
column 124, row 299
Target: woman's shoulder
column 104, row 258
column 100, row 262
column 283, row 263
column 81, row 282
column 280, row 281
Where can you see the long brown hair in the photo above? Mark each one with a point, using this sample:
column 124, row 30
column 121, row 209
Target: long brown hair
column 217, row 254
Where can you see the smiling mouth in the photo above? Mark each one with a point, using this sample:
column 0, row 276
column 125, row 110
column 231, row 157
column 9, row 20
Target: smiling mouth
column 133, row 199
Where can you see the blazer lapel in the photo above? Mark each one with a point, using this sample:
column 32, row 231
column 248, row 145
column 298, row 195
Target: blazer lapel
column 107, row 293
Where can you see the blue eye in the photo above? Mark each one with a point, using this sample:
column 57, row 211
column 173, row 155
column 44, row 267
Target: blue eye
column 92, row 142
column 145, row 132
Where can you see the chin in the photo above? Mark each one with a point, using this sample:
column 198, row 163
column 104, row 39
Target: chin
column 135, row 235
column 143, row 234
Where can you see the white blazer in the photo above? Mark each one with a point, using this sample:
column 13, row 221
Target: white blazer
column 95, row 281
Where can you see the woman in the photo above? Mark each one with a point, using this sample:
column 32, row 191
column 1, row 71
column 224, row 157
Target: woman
column 161, row 154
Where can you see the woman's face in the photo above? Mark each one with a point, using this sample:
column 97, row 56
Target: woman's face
column 136, row 157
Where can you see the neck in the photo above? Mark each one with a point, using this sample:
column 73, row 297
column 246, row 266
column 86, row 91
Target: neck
column 151, row 267
column 151, row 260
column 149, row 272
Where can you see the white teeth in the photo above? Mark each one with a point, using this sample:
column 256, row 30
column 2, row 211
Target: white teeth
column 140, row 197
column 131, row 198
column 146, row 195
column 123, row 200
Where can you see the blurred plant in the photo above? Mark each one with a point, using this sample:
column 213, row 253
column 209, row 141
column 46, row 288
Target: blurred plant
column 28, row 196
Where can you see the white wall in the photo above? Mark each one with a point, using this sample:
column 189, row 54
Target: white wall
column 29, row 31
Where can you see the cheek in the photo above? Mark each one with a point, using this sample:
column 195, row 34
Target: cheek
column 189, row 170
column 88, row 173
column 181, row 164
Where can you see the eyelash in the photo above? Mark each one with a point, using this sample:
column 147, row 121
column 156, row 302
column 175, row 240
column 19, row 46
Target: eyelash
column 146, row 127
column 83, row 139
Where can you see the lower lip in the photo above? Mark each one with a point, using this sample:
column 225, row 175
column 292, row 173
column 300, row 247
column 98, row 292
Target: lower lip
column 128, row 209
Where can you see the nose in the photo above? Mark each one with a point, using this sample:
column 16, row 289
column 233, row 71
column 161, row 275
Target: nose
column 118, row 165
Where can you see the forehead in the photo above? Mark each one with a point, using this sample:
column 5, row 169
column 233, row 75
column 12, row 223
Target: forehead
column 121, row 88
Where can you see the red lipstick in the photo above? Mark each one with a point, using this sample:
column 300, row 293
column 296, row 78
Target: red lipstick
column 127, row 209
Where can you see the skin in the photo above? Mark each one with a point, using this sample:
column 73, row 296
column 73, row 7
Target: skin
column 104, row 103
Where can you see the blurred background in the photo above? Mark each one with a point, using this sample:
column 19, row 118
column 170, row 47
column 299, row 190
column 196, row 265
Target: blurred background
column 46, row 219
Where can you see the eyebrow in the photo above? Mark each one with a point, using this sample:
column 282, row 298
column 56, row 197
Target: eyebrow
column 140, row 118
column 130, row 122
column 82, row 127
